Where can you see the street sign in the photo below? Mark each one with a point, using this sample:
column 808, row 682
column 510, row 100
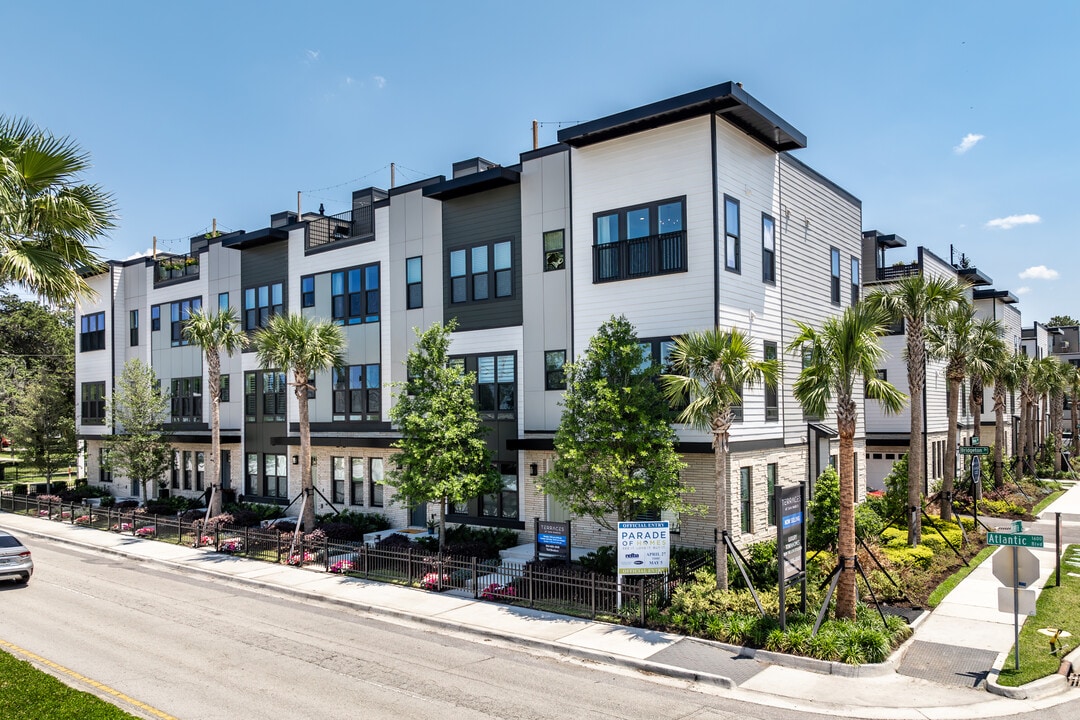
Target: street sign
column 974, row 449
column 1017, row 565
column 1018, row 526
column 974, row 439
column 976, row 470
column 1024, row 605
column 1014, row 539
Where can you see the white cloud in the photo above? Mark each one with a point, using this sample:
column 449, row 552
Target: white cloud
column 1022, row 290
column 313, row 55
column 969, row 141
column 348, row 80
column 149, row 252
column 1008, row 223
column 1039, row 272
column 380, row 81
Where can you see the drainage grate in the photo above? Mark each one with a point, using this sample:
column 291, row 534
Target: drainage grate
column 947, row 664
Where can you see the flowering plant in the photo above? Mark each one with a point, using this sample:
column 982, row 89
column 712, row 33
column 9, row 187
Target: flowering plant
column 121, row 527
column 431, row 581
column 145, row 532
column 66, row 515
column 83, row 520
column 296, row 559
column 495, row 591
column 342, row 566
column 231, row 546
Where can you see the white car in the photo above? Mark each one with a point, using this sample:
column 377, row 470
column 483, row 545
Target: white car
column 15, row 561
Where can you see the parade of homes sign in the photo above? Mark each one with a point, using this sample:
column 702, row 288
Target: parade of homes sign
column 644, row 547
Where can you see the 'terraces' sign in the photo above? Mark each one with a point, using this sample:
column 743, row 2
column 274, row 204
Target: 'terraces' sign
column 644, row 547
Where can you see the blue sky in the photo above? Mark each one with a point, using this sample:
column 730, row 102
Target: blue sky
column 949, row 120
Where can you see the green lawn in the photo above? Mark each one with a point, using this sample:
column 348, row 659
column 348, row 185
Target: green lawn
column 26, row 693
column 1057, row 607
column 1042, row 504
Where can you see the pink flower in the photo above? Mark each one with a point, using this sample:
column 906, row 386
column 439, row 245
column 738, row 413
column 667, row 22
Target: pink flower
column 342, row 566
column 145, row 532
column 431, row 581
column 297, row 560
column 121, row 527
column 83, row 520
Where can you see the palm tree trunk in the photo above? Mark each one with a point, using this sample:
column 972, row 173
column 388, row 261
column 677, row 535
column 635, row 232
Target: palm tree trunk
column 845, row 594
column 999, row 432
column 1022, row 440
column 916, row 455
column 1074, row 419
column 213, row 362
column 723, row 509
column 306, row 483
column 948, row 481
column 1056, row 422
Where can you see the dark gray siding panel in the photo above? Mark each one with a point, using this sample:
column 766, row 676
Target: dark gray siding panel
column 264, row 265
column 485, row 217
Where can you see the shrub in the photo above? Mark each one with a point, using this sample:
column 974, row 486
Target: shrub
column 824, row 526
column 602, row 561
column 392, row 541
column 349, row 525
column 261, row 511
column 910, row 557
column 868, row 523
column 760, row 566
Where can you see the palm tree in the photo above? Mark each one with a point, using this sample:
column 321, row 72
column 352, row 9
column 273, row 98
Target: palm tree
column 844, row 353
column 215, row 333
column 1074, row 411
column 48, row 218
column 1024, row 369
column 915, row 300
column 948, row 338
column 305, row 347
column 1047, row 380
column 1006, row 373
column 709, row 370
column 985, row 345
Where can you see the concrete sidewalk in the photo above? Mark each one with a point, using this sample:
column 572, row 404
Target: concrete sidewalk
column 965, row 620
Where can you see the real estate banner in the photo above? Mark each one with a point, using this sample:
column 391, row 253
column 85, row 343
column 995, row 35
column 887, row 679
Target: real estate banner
column 644, row 547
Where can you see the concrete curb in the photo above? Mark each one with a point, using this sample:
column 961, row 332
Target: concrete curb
column 1036, row 689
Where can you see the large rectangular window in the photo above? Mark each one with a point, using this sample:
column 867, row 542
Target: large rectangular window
column 354, row 295
column 376, row 487
column 503, row 504
column 92, row 335
column 93, row 403
column 496, row 386
column 772, row 397
column 186, row 394
column 640, row 241
column 554, row 377
column 133, row 328
column 273, row 396
column 356, row 481
column 276, row 480
column 554, row 250
column 179, row 314
column 854, row 280
column 414, row 283
column 746, row 505
column 732, row 251
column 337, row 480
column 768, row 249
column 482, row 272
column 261, row 303
column 834, row 275
column 357, row 393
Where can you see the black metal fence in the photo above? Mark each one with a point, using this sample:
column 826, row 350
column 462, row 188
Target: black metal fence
column 536, row 585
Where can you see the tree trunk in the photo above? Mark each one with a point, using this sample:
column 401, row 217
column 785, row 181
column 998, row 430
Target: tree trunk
column 948, row 481
column 306, row 483
column 722, row 499
column 1056, row 422
column 213, row 362
column 845, row 593
column 916, row 363
column 1073, row 418
column 999, row 432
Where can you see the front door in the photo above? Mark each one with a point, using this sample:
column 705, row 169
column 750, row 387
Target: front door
column 417, row 517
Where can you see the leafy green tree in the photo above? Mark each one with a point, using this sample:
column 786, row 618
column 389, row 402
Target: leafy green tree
column 215, row 333
column 304, row 346
column 823, row 530
column 137, row 409
column 44, row 425
column 615, row 444
column 442, row 456
column 916, row 300
column 48, row 217
column 709, row 371
column 1062, row 321
column 839, row 358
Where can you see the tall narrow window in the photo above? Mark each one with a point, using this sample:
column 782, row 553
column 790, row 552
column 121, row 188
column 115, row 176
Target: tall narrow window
column 732, row 259
column 554, row 377
column 770, row 482
column 277, row 476
column 155, row 318
column 200, row 470
column 504, row 279
column 92, row 336
column 356, row 484
column 104, row 473
column 746, row 505
column 376, row 492
column 855, row 279
column 307, row 291
column 458, row 281
column 414, row 283
column 223, row 302
column 337, row 486
column 176, row 470
column 187, row 469
column 273, row 396
column 249, row 396
column 93, row 403
column 834, row 272
column 133, row 327
column 554, row 250
column 772, row 401
column 768, row 249
column 223, row 388
column 251, row 474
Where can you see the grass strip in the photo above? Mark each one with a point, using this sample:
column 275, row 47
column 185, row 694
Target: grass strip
column 1057, row 607
column 1041, row 505
column 953, row 580
column 27, row 693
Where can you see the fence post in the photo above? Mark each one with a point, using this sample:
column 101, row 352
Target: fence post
column 409, row 560
column 529, row 583
column 475, row 579
column 326, row 553
column 592, row 592
column 641, row 603
column 364, row 553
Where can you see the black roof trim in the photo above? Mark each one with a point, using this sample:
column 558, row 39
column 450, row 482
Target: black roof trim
column 788, row 157
column 257, row 238
column 419, row 184
column 496, row 177
column 338, row 441
column 544, row 152
column 824, row 429
column 889, row 241
column 729, row 99
column 990, row 294
column 974, row 277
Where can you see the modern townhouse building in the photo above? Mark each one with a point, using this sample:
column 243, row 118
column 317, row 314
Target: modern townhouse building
column 682, row 215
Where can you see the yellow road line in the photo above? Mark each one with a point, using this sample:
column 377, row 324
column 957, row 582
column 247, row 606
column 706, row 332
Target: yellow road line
column 15, row 649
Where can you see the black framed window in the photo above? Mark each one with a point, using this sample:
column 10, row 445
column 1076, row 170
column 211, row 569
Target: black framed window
column 104, row 473
column 155, row 318
column 273, row 389
column 854, row 280
column 772, row 396
column 746, row 504
column 768, row 248
column 640, row 241
column 554, row 378
column 356, row 481
column 554, row 250
column 882, row 374
column 93, row 403
column 376, row 482
column 187, row 469
column 276, row 476
column 834, row 274
column 250, row 393
column 223, row 302
column 414, row 283
column 251, row 474
column 133, row 328
column 175, row 470
column 223, row 388
column 770, row 483
column 179, row 314
column 307, row 291
column 186, row 396
column 337, row 480
column 496, row 386
column 357, row 393
column 92, row 335
column 482, row 272
column 732, row 251
column 261, row 303
column 354, row 295
column 503, row 504
column 200, row 470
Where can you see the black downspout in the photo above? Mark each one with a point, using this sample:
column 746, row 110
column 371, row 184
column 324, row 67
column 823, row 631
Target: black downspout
column 570, row 243
column 716, row 226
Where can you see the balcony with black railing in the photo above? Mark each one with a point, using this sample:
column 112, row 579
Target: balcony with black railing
column 176, row 267
column 640, row 257
column 896, row 272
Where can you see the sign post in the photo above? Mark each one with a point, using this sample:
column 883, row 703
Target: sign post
column 1016, row 568
column 790, row 510
column 644, row 549
column 553, row 539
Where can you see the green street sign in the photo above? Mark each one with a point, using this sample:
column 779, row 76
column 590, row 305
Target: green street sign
column 1014, row 539
column 974, row 449
column 974, row 440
